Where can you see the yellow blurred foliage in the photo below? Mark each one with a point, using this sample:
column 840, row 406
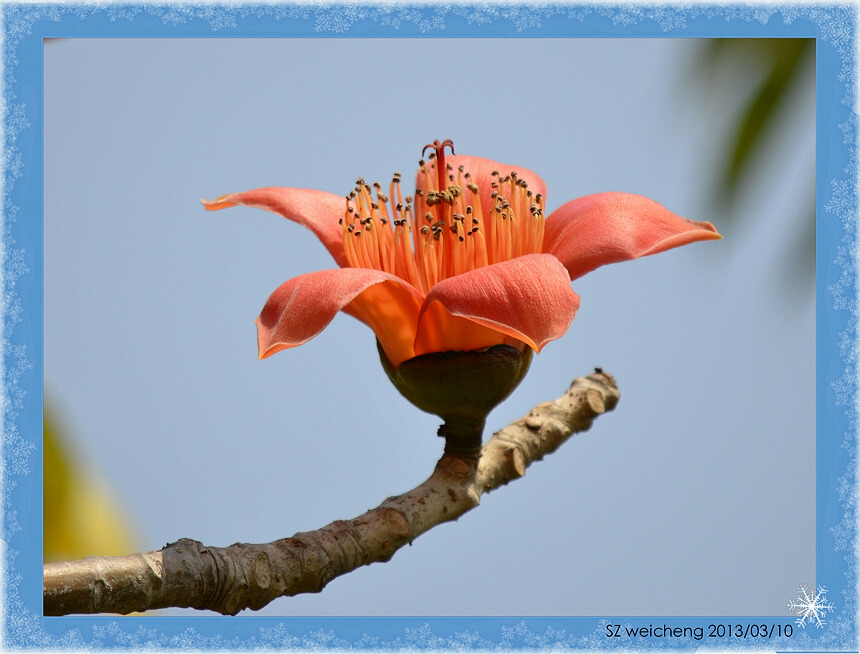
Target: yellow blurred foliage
column 81, row 516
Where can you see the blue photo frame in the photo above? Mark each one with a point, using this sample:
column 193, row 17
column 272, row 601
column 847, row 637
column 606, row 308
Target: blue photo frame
column 834, row 30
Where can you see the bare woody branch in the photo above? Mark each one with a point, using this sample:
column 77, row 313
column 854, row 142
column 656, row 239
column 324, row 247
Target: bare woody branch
column 230, row 579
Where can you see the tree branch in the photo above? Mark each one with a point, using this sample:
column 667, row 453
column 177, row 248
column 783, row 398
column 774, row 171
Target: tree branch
column 228, row 579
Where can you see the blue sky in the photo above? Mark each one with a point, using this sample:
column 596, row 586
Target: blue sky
column 699, row 484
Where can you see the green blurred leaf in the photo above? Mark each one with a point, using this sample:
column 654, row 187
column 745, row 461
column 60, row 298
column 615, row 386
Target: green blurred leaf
column 783, row 61
column 769, row 70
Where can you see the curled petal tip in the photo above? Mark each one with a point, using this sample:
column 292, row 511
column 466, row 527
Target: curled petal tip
column 706, row 226
column 217, row 203
column 685, row 233
column 266, row 349
column 705, row 231
column 265, row 354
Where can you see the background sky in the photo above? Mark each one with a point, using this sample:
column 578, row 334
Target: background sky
column 694, row 497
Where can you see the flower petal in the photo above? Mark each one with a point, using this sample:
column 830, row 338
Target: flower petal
column 611, row 227
column 441, row 331
column 319, row 211
column 302, row 307
column 528, row 299
column 391, row 310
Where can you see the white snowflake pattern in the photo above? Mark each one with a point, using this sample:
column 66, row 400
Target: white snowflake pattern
column 809, row 605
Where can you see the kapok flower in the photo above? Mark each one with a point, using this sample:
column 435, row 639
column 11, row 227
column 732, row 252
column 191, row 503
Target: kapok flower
column 468, row 263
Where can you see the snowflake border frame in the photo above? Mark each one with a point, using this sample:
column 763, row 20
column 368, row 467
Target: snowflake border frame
column 23, row 626
column 810, row 605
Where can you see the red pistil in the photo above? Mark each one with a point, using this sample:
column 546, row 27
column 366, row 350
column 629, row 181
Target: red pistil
column 441, row 172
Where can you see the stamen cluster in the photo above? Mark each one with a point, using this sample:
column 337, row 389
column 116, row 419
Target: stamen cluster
column 444, row 231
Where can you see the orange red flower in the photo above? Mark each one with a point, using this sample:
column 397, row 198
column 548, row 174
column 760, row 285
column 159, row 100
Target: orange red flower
column 468, row 262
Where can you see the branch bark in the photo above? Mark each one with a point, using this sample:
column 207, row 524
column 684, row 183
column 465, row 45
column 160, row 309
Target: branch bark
column 188, row 573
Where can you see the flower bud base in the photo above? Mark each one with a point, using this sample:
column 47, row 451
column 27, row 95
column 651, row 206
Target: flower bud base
column 461, row 388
